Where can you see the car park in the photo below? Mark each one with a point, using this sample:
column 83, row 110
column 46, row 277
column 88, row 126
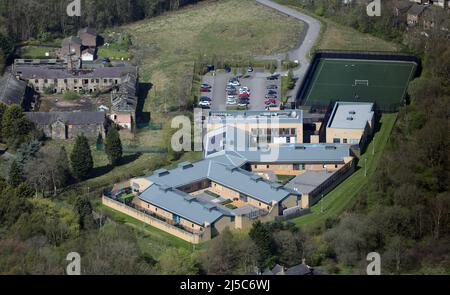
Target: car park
column 271, row 96
column 273, row 77
column 205, row 90
column 230, row 88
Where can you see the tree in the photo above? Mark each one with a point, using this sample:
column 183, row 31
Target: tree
column 3, row 108
column 16, row 128
column 15, row 174
column 264, row 243
column 63, row 167
column 221, row 256
column 84, row 209
column 81, row 158
column 113, row 146
column 178, row 261
column 291, row 80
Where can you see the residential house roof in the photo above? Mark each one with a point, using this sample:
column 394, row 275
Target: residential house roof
column 87, row 30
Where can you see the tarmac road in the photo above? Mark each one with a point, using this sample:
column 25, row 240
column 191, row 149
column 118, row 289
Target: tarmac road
column 306, row 41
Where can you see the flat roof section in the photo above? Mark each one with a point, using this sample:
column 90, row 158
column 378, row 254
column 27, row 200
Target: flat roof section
column 351, row 115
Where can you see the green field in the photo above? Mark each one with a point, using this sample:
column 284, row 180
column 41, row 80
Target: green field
column 343, row 196
column 383, row 82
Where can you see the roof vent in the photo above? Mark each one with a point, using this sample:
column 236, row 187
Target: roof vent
column 330, row 147
column 189, row 198
column 352, row 112
column 185, row 165
column 300, row 147
column 349, row 118
column 276, row 186
column 162, row 172
column 231, row 168
column 210, row 207
column 165, row 188
column 255, row 177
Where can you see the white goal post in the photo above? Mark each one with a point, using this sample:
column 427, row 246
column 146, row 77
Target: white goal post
column 361, row 82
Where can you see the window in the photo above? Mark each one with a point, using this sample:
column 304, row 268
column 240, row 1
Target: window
column 156, row 209
column 192, row 225
column 268, row 208
column 256, row 166
column 105, row 81
column 344, row 140
column 336, row 140
column 45, row 81
column 55, row 81
column 97, row 81
column 335, row 166
column 267, row 166
column 36, row 81
column 259, row 204
column 65, row 81
column 75, row 81
column 148, row 206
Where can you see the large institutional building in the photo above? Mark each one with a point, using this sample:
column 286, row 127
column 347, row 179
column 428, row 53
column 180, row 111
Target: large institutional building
column 234, row 187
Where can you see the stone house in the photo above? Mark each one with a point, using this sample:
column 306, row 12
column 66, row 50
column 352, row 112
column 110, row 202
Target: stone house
column 68, row 125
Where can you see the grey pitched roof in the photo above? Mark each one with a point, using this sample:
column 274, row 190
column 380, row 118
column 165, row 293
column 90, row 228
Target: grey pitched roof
column 417, row 9
column 12, row 91
column 124, row 99
column 28, row 72
column 218, row 170
column 292, row 153
column 71, row 118
column 306, row 182
column 72, row 40
column 298, row 270
column 181, row 204
column 87, row 30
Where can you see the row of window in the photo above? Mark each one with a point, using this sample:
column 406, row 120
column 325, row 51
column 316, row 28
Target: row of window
column 156, row 210
column 75, row 81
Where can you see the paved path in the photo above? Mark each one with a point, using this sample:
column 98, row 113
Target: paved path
column 307, row 41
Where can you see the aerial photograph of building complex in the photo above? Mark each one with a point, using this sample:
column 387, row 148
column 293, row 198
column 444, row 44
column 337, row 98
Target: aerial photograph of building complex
column 224, row 137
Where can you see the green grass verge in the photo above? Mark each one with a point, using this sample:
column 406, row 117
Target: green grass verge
column 342, row 197
column 113, row 54
column 152, row 240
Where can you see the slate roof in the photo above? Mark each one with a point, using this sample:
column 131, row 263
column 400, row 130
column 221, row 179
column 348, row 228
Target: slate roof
column 87, row 30
column 12, row 91
column 28, row 72
column 417, row 9
column 72, row 40
column 125, row 99
column 70, row 118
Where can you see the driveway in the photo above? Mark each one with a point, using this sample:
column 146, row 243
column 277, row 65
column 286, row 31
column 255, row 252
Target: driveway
column 306, row 41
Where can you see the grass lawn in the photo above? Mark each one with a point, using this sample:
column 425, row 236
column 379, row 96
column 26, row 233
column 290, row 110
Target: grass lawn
column 342, row 197
column 386, row 82
column 340, row 37
column 152, row 241
column 113, row 53
column 32, row 52
column 167, row 46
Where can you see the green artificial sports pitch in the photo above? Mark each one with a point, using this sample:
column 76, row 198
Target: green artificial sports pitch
column 383, row 82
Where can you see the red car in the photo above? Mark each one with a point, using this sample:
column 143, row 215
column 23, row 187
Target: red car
column 205, row 90
column 244, row 94
column 270, row 102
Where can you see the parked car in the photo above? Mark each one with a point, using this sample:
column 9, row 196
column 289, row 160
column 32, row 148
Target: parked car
column 205, row 85
column 270, row 101
column 244, row 94
column 205, row 98
column 234, row 82
column 270, row 106
column 244, row 89
column 204, row 104
column 244, row 101
column 205, row 90
column 270, row 96
column 271, row 87
column 230, row 88
column 272, row 92
column 231, row 101
column 273, row 77
column 105, row 60
column 250, row 69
